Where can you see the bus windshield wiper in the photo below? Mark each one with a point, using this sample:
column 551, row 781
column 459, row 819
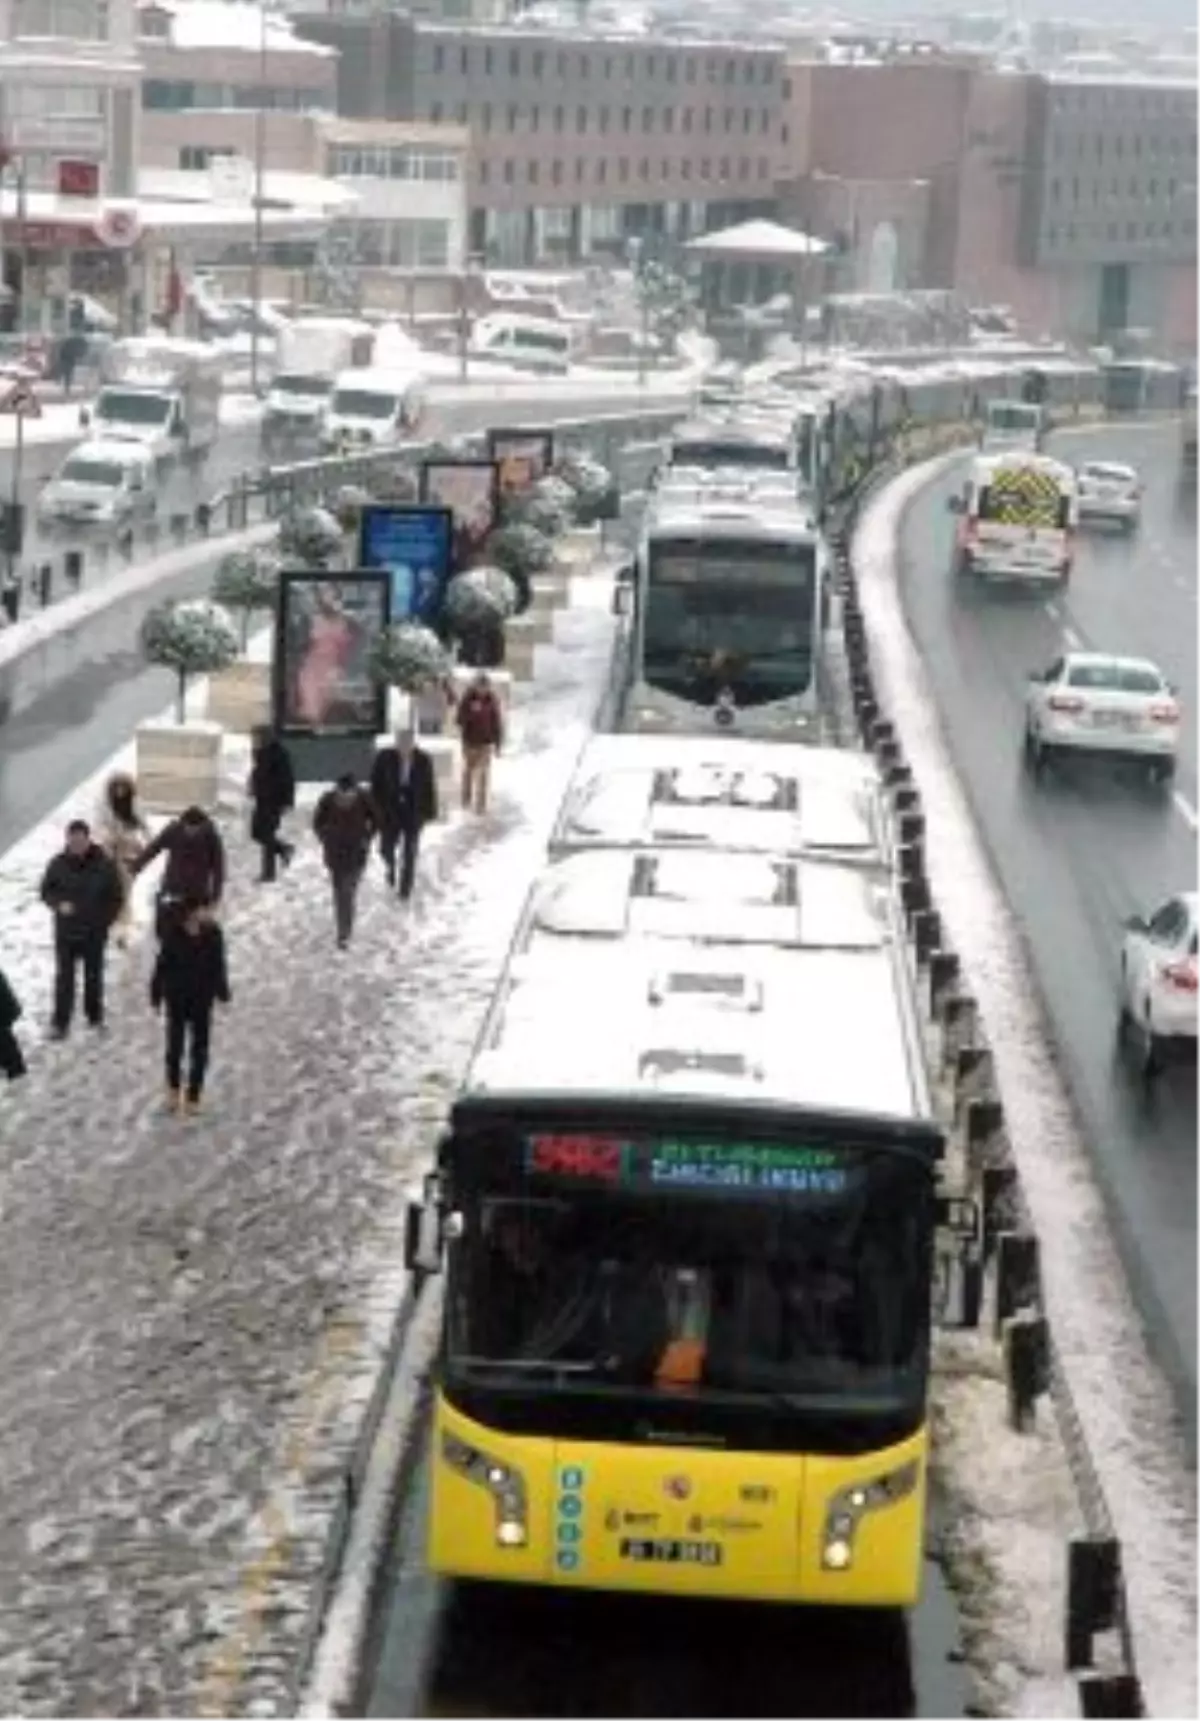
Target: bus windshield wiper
column 526, row 1364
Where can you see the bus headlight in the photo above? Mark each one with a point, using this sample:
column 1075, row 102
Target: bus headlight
column 505, row 1484
column 849, row 1506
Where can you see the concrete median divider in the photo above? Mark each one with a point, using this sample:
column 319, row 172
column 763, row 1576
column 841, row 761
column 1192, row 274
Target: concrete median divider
column 1003, row 1278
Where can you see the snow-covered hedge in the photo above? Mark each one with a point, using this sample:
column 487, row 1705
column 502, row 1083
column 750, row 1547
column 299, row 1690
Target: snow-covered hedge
column 407, row 656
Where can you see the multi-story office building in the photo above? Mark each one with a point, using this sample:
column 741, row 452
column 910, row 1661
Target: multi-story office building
column 581, row 141
column 1071, row 200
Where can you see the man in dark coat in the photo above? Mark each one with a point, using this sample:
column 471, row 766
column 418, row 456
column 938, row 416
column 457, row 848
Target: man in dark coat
column 195, row 868
column 82, row 889
column 345, row 823
column 404, row 791
column 190, row 976
column 12, row 1060
column 272, row 791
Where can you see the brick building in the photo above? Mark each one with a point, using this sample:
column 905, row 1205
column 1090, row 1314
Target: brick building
column 580, row 142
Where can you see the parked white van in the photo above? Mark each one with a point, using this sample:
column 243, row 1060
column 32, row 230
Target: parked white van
column 530, row 343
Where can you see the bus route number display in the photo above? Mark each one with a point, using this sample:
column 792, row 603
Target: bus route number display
column 786, row 1168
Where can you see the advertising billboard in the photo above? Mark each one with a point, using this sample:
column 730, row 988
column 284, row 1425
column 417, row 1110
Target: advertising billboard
column 471, row 490
column 326, row 626
column 521, row 457
column 414, row 545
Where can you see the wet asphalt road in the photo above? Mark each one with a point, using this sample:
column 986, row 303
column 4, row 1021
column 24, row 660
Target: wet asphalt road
column 53, row 745
column 1090, row 845
column 455, row 1649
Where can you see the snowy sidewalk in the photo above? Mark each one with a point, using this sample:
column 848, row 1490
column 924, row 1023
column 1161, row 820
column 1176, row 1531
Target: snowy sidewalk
column 191, row 1313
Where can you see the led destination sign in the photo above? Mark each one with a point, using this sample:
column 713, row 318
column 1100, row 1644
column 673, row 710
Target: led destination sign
column 752, row 1168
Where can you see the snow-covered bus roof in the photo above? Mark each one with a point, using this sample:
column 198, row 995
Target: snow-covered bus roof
column 755, row 978
column 731, row 519
column 700, row 792
column 764, row 487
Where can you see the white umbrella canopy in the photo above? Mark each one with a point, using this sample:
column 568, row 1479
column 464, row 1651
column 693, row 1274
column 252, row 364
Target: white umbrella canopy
column 756, row 242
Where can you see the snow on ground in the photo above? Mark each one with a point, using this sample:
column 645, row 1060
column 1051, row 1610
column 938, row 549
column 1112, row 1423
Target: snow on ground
column 183, row 1388
column 1121, row 1399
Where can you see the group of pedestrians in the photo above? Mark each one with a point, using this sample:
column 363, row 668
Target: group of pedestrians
column 87, row 886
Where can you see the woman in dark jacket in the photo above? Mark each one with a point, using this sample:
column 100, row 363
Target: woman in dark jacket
column 272, row 791
column 12, row 1062
column 190, row 976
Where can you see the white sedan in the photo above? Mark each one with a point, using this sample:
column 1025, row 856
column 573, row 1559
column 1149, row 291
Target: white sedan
column 1158, row 979
column 1110, row 494
column 1113, row 707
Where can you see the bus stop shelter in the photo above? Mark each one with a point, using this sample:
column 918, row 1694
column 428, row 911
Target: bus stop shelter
column 754, row 262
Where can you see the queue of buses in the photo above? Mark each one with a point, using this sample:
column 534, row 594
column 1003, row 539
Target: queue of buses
column 687, row 1201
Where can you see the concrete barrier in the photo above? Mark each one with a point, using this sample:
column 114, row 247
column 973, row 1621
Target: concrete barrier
column 239, row 698
column 178, row 766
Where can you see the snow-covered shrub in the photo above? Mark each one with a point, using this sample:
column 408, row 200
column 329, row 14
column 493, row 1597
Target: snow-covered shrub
column 407, row 656
column 247, row 583
column 194, row 638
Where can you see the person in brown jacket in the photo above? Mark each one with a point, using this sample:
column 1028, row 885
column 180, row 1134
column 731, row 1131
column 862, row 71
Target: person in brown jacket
column 345, row 823
column 481, row 728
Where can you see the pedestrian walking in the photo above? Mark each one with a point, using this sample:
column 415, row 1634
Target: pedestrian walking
column 481, row 728
column 82, row 890
column 404, row 795
column 272, row 792
column 12, row 1060
column 345, row 823
column 190, row 977
column 122, row 833
column 195, row 869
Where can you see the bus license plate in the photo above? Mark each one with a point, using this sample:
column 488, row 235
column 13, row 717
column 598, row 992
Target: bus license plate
column 672, row 1552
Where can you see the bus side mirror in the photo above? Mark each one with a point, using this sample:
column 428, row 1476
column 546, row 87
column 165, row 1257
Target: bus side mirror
column 423, row 1235
column 956, row 505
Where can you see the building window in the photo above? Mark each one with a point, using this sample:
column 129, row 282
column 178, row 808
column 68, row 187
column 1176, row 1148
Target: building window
column 486, row 116
column 647, row 119
column 539, row 61
column 435, row 112
column 724, row 167
column 691, row 71
column 535, row 117
column 601, row 171
column 672, row 68
column 514, row 62
column 195, row 157
column 764, row 120
column 464, row 61
column 708, row 119
column 665, row 168
column 84, row 20
column 623, row 170
column 508, row 173
column 417, row 244
column 687, row 119
column 668, row 119
column 764, row 167
column 687, row 167
column 483, row 171
column 512, row 116
column 643, row 169
column 556, row 172
column 578, row 169
column 705, row 165
column 604, row 119
column 559, row 117
column 533, row 173
column 581, row 118
column 748, row 119
column 489, row 62
column 1055, row 190
column 562, row 64
column 748, row 73
column 626, row 119
column 439, row 58
column 585, row 67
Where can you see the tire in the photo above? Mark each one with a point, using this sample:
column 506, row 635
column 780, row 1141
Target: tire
column 1037, row 753
column 1150, row 1051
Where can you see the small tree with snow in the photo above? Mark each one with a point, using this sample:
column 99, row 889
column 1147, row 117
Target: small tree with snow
column 407, row 656
column 348, row 505
column 597, row 495
column 523, row 552
column 188, row 639
column 246, row 582
column 311, row 538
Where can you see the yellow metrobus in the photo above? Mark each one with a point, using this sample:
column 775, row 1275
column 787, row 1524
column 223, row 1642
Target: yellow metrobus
column 686, row 1207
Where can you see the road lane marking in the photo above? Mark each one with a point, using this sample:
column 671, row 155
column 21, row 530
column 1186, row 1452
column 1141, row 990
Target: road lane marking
column 1185, row 809
column 1053, row 611
column 1074, row 640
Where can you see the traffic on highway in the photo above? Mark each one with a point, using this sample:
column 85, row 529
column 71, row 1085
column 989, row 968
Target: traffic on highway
column 1096, row 834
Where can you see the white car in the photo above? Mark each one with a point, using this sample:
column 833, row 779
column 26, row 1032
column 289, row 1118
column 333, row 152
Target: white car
column 1110, row 494
column 1158, row 979
column 1114, row 707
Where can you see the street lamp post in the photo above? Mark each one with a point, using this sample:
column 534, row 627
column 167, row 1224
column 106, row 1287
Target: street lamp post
column 260, row 133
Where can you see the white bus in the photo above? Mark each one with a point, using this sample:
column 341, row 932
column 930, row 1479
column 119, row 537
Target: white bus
column 703, row 792
column 727, row 592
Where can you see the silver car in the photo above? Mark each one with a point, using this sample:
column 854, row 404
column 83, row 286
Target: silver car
column 1110, row 495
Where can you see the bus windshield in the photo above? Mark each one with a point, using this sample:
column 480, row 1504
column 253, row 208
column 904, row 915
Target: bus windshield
column 728, row 616
column 765, row 455
column 818, row 1304
column 1013, row 415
